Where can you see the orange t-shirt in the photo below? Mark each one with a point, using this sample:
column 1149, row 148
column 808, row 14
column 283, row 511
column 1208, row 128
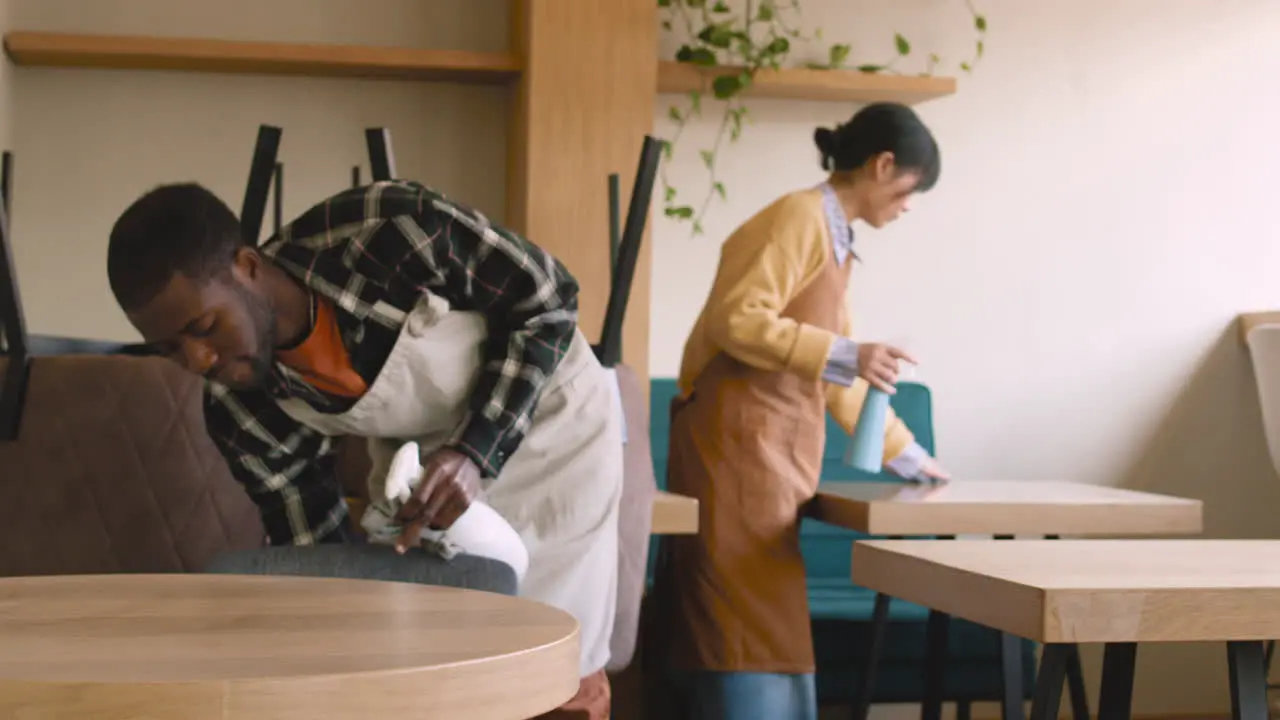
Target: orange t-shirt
column 322, row 359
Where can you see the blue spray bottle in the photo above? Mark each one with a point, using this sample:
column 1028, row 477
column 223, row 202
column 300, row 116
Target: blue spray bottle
column 866, row 449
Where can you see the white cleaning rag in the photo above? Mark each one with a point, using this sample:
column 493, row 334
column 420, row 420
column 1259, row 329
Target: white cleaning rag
column 480, row 531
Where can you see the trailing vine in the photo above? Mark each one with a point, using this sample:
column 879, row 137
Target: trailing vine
column 734, row 47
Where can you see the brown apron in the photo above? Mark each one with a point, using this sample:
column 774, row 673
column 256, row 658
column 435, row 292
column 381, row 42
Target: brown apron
column 747, row 443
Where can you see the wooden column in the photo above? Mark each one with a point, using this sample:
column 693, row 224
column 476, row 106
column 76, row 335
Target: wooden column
column 585, row 101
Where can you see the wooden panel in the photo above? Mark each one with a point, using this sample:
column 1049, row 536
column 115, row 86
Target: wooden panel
column 585, row 101
column 262, row 58
column 806, row 84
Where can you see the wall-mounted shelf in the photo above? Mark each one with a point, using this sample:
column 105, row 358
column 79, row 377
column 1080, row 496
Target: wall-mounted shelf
column 1249, row 321
column 806, row 84
column 260, row 58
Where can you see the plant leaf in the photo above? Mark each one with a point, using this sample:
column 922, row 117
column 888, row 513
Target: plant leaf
column 838, row 54
column 680, row 213
column 718, row 35
column 702, row 56
column 666, row 149
column 720, row 7
column 980, row 22
column 669, row 194
column 981, row 48
column 966, row 67
column 765, row 12
column 726, row 86
column 904, row 47
column 719, row 188
column 708, row 158
column 870, row 68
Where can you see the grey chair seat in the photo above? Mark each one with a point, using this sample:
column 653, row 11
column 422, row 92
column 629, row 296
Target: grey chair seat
column 370, row 562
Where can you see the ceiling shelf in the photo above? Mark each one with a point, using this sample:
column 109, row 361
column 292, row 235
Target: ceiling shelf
column 806, row 84
column 38, row 49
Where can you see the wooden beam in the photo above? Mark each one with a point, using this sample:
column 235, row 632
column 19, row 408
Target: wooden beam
column 585, row 101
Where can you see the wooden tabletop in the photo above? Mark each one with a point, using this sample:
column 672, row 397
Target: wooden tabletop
column 995, row 507
column 674, row 514
column 1088, row 590
column 227, row 647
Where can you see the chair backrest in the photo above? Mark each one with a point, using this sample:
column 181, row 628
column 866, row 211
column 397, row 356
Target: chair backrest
column 113, row 471
column 913, row 403
column 826, row 548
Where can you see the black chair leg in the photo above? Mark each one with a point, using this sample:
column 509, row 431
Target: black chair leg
column 1013, row 697
column 964, row 710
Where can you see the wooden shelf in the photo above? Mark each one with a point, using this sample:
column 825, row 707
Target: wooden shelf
column 259, row 58
column 806, row 84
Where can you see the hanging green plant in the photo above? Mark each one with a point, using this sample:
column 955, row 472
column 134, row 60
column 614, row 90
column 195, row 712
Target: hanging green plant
column 734, row 47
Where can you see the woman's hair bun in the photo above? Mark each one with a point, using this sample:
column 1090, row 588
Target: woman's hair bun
column 827, row 141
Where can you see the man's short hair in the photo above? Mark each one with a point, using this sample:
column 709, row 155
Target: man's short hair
column 180, row 228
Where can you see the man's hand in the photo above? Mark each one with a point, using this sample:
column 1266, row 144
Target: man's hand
column 878, row 364
column 450, row 481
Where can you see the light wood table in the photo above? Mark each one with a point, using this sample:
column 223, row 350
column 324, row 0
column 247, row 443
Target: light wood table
column 1100, row 591
column 997, row 507
column 229, row 647
column 1002, row 509
column 674, row 514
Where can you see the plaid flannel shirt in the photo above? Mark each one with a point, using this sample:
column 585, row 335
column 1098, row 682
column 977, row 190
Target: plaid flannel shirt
column 372, row 251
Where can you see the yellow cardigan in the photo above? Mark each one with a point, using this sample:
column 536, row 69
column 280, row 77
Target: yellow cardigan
column 764, row 264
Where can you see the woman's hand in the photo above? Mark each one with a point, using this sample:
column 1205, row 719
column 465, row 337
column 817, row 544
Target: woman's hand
column 934, row 471
column 878, row 365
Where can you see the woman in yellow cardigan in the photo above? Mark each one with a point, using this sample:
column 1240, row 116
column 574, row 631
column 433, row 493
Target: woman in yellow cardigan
column 770, row 354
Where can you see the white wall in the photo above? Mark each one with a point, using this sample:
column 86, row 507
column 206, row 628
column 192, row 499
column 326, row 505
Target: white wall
column 89, row 142
column 1106, row 209
column 1104, row 213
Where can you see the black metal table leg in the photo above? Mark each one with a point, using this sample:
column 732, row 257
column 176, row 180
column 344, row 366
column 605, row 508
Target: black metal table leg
column 1115, row 701
column 1011, row 702
column 1075, row 685
column 1075, row 677
column 1012, row 695
column 879, row 624
column 1246, row 668
column 1047, row 698
column 937, row 633
column 935, row 664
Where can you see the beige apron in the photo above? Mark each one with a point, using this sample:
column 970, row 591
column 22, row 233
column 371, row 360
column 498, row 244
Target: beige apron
column 560, row 490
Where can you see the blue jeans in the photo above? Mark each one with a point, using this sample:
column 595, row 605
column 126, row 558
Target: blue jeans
column 751, row 696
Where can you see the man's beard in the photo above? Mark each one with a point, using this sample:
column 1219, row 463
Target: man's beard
column 263, row 316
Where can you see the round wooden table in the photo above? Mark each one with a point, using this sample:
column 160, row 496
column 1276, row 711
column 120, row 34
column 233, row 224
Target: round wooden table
column 230, row 647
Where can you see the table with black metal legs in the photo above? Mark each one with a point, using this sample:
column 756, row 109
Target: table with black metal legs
column 1001, row 509
column 1120, row 593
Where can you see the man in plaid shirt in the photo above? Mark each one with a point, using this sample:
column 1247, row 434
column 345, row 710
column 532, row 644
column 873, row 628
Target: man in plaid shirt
column 310, row 321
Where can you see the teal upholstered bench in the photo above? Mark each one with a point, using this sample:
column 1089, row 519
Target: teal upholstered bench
column 841, row 611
